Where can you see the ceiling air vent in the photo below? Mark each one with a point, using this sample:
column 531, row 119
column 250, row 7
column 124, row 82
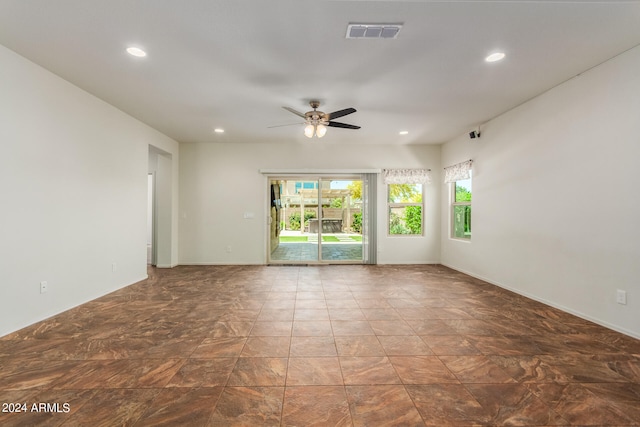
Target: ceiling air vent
column 373, row 31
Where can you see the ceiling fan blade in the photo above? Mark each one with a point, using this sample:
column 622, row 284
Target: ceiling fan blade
column 342, row 125
column 297, row 113
column 341, row 113
column 290, row 124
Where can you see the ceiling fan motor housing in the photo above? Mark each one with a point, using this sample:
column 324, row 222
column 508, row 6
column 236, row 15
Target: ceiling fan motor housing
column 316, row 117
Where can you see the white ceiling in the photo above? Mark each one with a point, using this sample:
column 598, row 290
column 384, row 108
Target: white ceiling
column 234, row 63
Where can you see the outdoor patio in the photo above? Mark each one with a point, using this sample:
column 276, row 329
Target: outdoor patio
column 344, row 249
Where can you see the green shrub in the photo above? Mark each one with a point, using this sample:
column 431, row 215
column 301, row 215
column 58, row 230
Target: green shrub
column 396, row 225
column 357, row 222
column 413, row 219
column 294, row 219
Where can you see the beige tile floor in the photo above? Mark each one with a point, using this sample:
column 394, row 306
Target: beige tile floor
column 318, row 346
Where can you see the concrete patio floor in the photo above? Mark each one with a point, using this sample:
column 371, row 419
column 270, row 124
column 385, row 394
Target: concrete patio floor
column 344, row 250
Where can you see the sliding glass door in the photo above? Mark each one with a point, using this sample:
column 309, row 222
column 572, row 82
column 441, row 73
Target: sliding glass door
column 341, row 221
column 293, row 237
column 316, row 220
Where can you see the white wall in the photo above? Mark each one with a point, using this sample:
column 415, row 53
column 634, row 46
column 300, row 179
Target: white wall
column 73, row 185
column 555, row 196
column 220, row 182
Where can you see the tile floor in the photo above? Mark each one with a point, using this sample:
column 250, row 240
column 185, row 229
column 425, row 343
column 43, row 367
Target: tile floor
column 318, row 346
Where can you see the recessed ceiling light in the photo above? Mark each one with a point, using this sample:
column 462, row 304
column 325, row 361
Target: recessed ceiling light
column 218, row 130
column 404, row 132
column 136, row 51
column 495, row 57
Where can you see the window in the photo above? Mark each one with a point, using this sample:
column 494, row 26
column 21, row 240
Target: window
column 305, row 185
column 461, row 209
column 405, row 209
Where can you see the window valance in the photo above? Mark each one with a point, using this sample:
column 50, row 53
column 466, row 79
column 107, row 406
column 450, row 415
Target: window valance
column 406, row 176
column 457, row 172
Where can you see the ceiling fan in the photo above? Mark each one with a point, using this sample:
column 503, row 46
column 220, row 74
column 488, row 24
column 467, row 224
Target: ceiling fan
column 316, row 121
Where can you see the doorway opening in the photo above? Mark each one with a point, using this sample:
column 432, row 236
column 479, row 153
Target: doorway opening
column 317, row 220
column 160, row 189
column 151, row 259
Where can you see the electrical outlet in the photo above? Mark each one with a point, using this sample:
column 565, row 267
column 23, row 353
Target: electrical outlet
column 114, row 267
column 43, row 287
column 621, row 297
column 228, row 249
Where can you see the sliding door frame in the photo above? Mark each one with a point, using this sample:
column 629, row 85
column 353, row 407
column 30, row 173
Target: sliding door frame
column 368, row 240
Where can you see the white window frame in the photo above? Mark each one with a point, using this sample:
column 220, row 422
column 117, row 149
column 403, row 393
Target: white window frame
column 454, row 204
column 391, row 205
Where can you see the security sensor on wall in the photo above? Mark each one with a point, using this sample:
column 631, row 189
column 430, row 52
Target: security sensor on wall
column 474, row 134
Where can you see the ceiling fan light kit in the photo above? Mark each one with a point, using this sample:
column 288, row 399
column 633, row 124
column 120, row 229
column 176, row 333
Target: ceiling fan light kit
column 309, row 130
column 317, row 130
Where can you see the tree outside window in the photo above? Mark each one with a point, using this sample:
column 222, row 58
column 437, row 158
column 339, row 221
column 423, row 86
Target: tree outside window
column 405, row 209
column 461, row 209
